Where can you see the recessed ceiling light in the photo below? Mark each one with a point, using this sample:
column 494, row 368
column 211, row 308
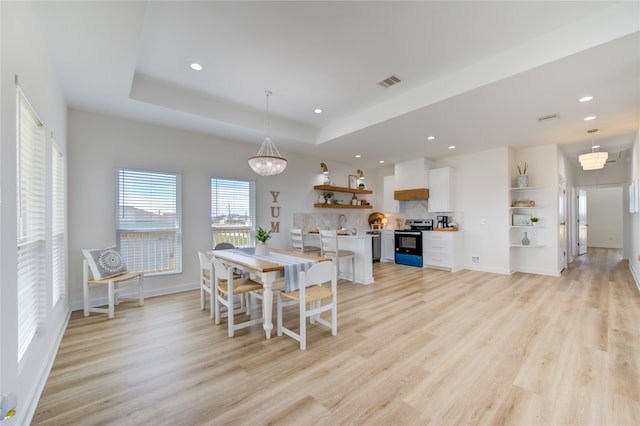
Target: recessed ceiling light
column 318, row 110
column 358, row 155
column 452, row 147
column 585, row 99
column 589, row 118
column 196, row 66
column 430, row 138
column 381, row 161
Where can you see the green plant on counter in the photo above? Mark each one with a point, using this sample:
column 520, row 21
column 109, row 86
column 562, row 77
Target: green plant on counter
column 262, row 234
column 535, row 219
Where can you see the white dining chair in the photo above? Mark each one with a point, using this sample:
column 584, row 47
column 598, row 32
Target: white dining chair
column 206, row 282
column 226, row 287
column 244, row 299
column 312, row 291
column 330, row 248
column 297, row 243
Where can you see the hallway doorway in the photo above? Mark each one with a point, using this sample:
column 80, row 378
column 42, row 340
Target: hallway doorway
column 600, row 219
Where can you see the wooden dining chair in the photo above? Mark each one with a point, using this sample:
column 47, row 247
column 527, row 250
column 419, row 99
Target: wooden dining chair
column 312, row 291
column 297, row 243
column 226, row 287
column 330, row 248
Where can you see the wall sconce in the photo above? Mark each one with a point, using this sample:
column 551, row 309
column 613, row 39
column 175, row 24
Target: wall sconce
column 360, row 174
column 325, row 172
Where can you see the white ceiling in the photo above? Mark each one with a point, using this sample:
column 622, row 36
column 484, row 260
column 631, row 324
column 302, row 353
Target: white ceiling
column 475, row 74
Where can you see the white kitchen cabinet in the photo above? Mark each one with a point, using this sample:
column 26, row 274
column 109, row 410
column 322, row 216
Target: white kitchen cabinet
column 388, row 247
column 443, row 250
column 390, row 204
column 441, row 190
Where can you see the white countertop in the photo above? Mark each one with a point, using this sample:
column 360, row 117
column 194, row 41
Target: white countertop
column 360, row 234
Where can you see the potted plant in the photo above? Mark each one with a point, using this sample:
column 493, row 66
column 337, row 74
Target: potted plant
column 361, row 185
column 328, row 196
column 262, row 235
column 535, row 220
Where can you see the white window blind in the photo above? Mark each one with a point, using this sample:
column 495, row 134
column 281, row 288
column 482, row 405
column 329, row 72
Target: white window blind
column 149, row 224
column 58, row 224
column 31, row 247
column 232, row 212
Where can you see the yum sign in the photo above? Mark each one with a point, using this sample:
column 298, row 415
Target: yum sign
column 275, row 212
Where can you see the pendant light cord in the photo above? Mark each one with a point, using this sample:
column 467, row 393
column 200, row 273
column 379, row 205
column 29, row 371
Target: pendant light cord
column 268, row 93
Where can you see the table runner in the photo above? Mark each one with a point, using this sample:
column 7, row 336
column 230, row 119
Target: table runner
column 292, row 265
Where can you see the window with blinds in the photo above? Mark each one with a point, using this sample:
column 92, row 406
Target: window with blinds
column 31, row 213
column 149, row 220
column 233, row 212
column 58, row 224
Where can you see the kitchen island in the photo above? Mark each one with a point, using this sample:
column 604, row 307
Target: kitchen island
column 360, row 244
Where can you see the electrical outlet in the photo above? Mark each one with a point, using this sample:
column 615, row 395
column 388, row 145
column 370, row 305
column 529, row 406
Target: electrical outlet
column 8, row 406
column 475, row 259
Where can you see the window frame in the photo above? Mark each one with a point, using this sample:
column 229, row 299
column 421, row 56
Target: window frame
column 32, row 217
column 58, row 225
column 159, row 240
column 242, row 234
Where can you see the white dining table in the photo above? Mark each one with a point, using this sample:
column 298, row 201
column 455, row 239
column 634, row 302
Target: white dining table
column 268, row 271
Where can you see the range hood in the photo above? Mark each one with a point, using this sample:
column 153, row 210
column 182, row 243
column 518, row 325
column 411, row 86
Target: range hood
column 411, row 194
column 411, row 180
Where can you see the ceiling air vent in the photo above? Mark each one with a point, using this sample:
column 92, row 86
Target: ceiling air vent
column 389, row 81
column 548, row 117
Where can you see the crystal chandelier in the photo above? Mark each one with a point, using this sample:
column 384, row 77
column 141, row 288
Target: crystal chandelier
column 593, row 160
column 269, row 161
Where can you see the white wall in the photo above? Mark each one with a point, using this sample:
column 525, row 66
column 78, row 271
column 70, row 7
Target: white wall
column 634, row 219
column 482, row 181
column 481, row 197
column 565, row 184
column 605, row 217
column 97, row 145
column 543, row 173
column 100, row 144
column 23, row 54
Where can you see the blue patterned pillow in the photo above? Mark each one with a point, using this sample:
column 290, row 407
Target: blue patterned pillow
column 105, row 263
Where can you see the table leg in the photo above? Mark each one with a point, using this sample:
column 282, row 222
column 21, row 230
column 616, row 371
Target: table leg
column 267, row 303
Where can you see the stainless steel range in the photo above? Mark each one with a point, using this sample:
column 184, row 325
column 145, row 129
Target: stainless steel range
column 408, row 242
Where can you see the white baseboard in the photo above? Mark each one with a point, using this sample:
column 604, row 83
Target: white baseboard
column 475, row 267
column 635, row 275
column 25, row 415
column 77, row 305
column 609, row 246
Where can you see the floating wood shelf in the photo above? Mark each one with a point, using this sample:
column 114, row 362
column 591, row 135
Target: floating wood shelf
column 341, row 206
column 342, row 189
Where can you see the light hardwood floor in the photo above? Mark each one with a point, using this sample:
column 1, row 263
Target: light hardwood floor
column 419, row 347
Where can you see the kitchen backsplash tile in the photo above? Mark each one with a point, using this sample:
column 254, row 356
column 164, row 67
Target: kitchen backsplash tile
column 360, row 221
